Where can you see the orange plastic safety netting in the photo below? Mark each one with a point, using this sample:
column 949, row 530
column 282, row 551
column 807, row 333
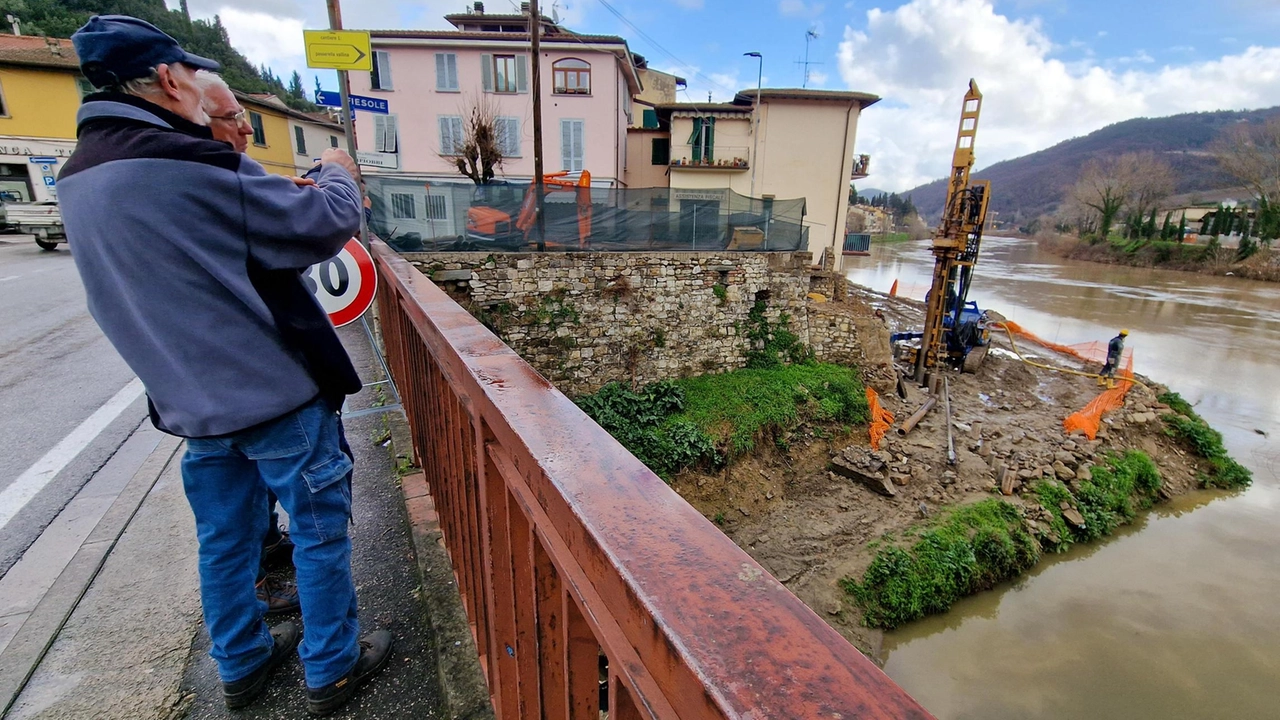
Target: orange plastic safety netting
column 881, row 419
column 1089, row 418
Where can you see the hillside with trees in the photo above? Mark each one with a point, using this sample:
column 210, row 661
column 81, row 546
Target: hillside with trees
column 1025, row 188
column 60, row 18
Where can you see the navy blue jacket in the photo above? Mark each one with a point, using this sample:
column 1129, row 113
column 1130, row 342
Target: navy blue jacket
column 191, row 257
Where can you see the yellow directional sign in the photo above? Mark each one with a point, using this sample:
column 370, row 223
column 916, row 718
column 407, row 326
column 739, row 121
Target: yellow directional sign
column 338, row 49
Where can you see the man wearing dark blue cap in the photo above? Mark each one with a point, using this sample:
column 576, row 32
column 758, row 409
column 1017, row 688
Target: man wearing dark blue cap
column 192, row 259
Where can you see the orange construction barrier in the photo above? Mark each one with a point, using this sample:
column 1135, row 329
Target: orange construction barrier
column 881, row 419
column 893, row 291
column 1089, row 418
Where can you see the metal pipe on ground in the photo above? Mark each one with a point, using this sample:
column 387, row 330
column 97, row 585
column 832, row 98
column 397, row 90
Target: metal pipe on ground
column 917, row 416
column 946, row 402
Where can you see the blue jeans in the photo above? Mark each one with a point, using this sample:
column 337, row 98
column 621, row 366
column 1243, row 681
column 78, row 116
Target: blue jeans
column 303, row 458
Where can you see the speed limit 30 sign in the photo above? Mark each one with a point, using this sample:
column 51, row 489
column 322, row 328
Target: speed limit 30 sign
column 344, row 284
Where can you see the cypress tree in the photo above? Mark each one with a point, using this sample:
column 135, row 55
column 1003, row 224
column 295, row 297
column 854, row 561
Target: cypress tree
column 1182, row 228
column 1150, row 230
column 1165, row 230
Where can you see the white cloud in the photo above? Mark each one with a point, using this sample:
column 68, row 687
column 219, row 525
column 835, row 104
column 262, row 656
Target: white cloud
column 263, row 38
column 920, row 57
column 817, row 78
column 799, row 8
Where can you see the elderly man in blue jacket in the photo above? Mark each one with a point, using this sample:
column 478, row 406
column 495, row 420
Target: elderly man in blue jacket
column 191, row 257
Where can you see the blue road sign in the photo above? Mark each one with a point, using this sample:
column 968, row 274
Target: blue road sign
column 48, row 181
column 368, row 104
column 328, row 99
column 44, row 160
column 358, row 102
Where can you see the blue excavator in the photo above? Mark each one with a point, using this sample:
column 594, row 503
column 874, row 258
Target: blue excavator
column 955, row 328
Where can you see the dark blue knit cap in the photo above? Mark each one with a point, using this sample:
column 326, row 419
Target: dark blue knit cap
column 115, row 49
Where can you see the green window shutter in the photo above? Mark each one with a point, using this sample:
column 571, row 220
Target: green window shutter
column 696, row 139
column 650, row 121
column 522, row 73
column 709, row 133
column 661, row 151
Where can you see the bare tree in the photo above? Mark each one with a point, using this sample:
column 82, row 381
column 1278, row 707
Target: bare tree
column 478, row 152
column 1152, row 182
column 1251, row 153
column 1103, row 187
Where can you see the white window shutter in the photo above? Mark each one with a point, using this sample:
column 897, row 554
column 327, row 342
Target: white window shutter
column 459, row 138
column 566, row 144
column 442, row 72
column 522, row 73
column 486, row 73
column 379, row 132
column 383, row 59
column 578, row 149
column 384, row 133
column 453, row 71
column 446, row 136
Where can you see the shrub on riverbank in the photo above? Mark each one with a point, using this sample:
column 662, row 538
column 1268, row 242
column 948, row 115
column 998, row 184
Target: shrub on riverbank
column 673, row 425
column 1263, row 264
column 970, row 549
column 1205, row 442
column 975, row 547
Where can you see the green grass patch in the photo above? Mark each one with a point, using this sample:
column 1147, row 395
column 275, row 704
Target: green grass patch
column 974, row 547
column 1204, row 441
column 1118, row 489
column 673, row 425
column 968, row 550
column 738, row 409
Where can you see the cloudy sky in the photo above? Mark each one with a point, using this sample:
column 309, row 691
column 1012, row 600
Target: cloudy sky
column 1049, row 69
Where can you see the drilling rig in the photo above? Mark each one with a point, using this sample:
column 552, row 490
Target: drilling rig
column 955, row 330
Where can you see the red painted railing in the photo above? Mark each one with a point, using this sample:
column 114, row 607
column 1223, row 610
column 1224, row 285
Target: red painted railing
column 573, row 559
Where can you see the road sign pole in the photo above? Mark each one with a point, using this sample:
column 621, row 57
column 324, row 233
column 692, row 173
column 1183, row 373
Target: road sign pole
column 348, row 115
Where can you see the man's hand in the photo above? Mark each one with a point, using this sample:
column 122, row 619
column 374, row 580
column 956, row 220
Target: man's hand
column 340, row 157
column 303, row 182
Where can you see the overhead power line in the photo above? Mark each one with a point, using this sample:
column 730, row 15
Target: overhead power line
column 692, row 70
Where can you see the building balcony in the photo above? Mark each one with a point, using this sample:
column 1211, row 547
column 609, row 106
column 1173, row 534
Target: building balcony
column 861, row 167
column 722, row 157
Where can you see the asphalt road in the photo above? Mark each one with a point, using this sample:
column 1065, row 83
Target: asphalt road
column 56, row 371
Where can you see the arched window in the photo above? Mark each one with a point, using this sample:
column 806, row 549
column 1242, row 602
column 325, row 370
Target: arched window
column 571, row 76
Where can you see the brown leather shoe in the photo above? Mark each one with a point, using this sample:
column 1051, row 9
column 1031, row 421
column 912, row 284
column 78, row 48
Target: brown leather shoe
column 280, row 596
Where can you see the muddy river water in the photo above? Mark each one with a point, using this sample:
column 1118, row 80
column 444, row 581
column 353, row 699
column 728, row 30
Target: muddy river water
column 1177, row 616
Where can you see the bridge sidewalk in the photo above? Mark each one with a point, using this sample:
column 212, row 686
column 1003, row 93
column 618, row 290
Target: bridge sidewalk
column 135, row 645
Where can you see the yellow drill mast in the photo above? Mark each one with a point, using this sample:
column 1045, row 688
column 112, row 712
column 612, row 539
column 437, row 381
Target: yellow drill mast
column 955, row 246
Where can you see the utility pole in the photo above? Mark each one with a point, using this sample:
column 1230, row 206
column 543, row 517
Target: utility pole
column 349, row 116
column 535, row 42
column 755, row 130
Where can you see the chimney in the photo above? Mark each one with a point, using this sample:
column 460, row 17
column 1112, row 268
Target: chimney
column 479, row 6
column 524, row 8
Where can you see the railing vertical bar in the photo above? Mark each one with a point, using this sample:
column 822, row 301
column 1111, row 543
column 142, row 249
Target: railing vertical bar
column 506, row 703
column 621, row 705
column 582, row 661
column 551, row 635
column 525, row 595
column 469, row 512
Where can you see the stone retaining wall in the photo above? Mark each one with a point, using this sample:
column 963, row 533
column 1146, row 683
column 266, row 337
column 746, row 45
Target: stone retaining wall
column 586, row 319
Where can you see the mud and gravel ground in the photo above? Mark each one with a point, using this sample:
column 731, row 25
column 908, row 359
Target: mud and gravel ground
column 810, row 527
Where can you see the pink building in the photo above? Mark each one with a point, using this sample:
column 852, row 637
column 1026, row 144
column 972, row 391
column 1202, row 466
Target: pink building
column 432, row 79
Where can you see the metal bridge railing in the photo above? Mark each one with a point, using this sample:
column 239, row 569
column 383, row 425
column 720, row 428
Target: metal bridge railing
column 578, row 565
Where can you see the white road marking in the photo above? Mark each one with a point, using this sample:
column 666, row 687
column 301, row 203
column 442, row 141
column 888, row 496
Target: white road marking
column 9, row 277
column 35, row 478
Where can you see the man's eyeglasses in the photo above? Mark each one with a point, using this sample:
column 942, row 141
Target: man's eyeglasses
column 237, row 118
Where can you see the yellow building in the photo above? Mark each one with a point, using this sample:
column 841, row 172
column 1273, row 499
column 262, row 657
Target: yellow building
column 286, row 141
column 40, row 91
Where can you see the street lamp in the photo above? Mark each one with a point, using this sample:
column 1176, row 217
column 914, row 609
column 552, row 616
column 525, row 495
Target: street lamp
column 755, row 132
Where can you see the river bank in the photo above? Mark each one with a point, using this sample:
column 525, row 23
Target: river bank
column 1262, row 265
column 820, row 531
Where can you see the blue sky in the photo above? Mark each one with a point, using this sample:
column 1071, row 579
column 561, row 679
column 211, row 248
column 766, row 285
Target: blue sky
column 1050, row 69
